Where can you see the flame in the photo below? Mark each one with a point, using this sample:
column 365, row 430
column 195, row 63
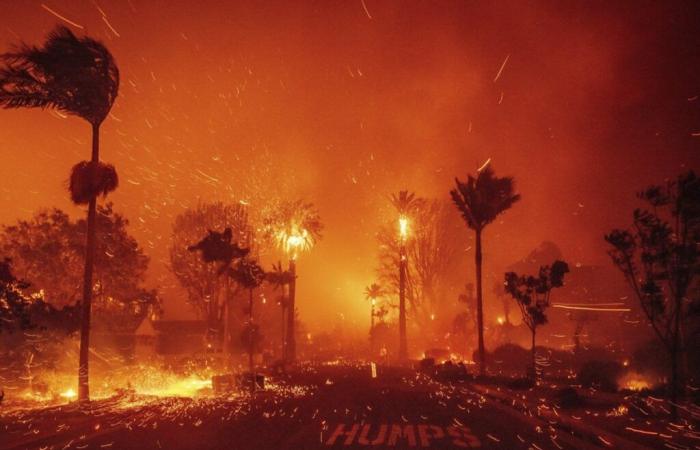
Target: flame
column 69, row 394
column 634, row 382
column 501, row 320
column 403, row 227
column 298, row 240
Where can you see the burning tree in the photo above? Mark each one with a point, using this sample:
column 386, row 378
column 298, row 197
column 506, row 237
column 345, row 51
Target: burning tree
column 77, row 76
column 295, row 227
column 431, row 259
column 532, row 294
column 480, row 200
column 660, row 259
column 405, row 204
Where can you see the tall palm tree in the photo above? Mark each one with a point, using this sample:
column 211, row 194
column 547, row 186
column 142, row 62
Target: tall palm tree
column 279, row 278
column 372, row 293
column 77, row 76
column 296, row 227
column 406, row 203
column 480, row 200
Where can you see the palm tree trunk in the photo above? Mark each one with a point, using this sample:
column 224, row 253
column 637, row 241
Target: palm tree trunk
column 371, row 331
column 284, row 333
column 480, row 305
column 83, row 368
column 403, row 350
column 534, row 357
column 226, row 350
column 291, row 340
column 250, row 340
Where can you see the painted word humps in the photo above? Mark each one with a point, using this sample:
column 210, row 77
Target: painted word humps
column 423, row 435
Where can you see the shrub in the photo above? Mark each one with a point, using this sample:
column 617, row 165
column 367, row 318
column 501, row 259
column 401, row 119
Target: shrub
column 601, row 375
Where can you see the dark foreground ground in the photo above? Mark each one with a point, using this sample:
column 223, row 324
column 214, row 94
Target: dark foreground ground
column 325, row 407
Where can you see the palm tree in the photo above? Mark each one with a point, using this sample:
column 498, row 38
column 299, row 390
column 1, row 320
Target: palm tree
column 372, row 293
column 249, row 275
column 481, row 200
column 77, row 76
column 279, row 278
column 405, row 203
column 296, row 227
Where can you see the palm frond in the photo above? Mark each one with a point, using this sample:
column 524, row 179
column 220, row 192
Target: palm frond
column 89, row 179
column 482, row 198
column 75, row 75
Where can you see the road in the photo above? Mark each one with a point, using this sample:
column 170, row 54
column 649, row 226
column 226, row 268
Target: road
column 328, row 407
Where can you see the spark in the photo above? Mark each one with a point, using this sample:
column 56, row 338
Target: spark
column 207, row 176
column 590, row 308
column 366, row 10
column 68, row 21
column 116, row 33
column 636, row 430
column 503, row 66
column 483, row 166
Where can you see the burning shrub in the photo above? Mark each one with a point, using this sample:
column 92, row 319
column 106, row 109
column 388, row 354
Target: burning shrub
column 601, row 375
column 89, row 179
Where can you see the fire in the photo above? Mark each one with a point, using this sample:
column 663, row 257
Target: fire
column 634, row 382
column 501, row 320
column 403, row 227
column 298, row 240
column 637, row 385
column 69, row 394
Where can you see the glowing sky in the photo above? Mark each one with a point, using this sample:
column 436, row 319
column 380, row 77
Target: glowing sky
column 341, row 103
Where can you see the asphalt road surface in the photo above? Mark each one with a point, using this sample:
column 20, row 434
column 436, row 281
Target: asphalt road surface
column 330, row 407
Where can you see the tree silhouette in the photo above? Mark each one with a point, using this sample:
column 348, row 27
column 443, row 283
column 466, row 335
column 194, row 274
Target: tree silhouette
column 372, row 293
column 532, row 294
column 216, row 248
column 249, row 275
column 295, row 226
column 14, row 304
column 480, row 200
column 48, row 251
column 280, row 278
column 405, row 203
column 201, row 279
column 77, row 76
column 660, row 260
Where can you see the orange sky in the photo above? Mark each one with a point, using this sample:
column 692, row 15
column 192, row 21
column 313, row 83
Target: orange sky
column 341, row 105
